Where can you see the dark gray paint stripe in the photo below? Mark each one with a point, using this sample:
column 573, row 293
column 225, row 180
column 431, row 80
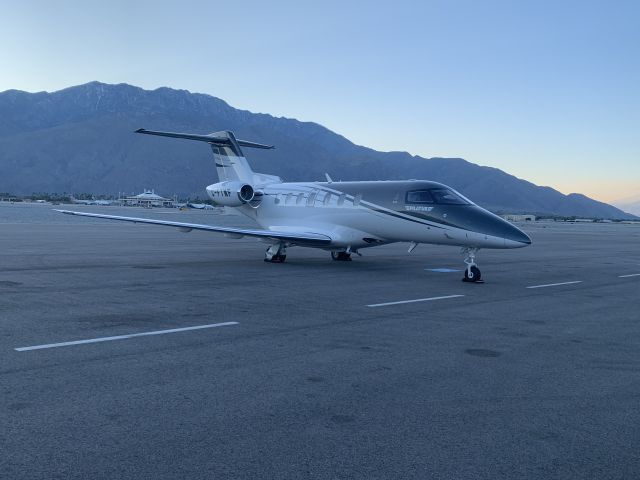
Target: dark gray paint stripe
column 379, row 209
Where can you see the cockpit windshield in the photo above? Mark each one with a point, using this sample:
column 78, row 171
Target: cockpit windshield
column 419, row 196
column 440, row 196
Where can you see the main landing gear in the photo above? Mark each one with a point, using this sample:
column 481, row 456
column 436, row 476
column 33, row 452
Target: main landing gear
column 276, row 253
column 472, row 272
column 341, row 256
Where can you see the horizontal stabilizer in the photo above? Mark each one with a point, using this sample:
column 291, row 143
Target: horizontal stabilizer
column 211, row 138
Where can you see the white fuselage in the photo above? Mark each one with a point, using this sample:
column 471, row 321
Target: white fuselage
column 354, row 222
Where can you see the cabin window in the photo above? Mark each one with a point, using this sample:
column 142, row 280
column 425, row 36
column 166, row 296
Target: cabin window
column 311, row 200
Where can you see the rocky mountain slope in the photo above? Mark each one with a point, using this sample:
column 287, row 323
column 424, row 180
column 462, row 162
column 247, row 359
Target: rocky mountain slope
column 81, row 139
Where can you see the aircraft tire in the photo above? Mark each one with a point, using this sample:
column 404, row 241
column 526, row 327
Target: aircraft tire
column 276, row 259
column 475, row 275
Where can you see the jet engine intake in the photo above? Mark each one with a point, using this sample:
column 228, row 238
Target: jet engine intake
column 230, row 194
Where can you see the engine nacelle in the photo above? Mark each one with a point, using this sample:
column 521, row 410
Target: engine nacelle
column 230, row 194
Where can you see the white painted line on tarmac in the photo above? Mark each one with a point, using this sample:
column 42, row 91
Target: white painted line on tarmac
column 122, row 337
column 630, row 275
column 414, row 301
column 555, row 284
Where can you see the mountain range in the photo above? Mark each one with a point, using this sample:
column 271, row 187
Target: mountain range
column 81, row 139
column 629, row 205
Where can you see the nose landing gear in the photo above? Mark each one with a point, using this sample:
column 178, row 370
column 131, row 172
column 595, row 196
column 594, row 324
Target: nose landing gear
column 472, row 272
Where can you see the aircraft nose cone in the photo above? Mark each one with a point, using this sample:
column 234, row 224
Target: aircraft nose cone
column 515, row 237
column 498, row 232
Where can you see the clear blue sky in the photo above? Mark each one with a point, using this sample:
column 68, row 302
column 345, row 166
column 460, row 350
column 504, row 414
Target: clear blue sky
column 546, row 90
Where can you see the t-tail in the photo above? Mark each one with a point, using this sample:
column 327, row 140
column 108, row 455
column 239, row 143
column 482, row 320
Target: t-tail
column 231, row 163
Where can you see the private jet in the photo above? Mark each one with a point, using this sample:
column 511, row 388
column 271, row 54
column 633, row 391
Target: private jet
column 340, row 217
column 93, row 201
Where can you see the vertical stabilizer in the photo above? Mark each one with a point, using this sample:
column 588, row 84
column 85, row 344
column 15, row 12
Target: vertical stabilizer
column 231, row 163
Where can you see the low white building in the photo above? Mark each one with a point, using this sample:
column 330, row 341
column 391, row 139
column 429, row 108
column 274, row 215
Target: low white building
column 147, row 199
column 519, row 218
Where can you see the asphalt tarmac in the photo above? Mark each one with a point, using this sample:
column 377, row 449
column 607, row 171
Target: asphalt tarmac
column 294, row 374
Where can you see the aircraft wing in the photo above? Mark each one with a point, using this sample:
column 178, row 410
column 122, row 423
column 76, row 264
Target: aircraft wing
column 300, row 238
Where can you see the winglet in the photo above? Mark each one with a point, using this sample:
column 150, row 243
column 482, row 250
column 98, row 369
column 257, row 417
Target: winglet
column 328, row 178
